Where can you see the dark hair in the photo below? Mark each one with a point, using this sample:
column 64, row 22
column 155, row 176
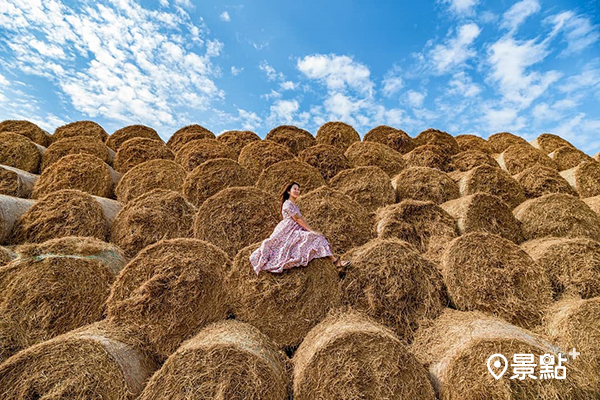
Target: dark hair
column 285, row 195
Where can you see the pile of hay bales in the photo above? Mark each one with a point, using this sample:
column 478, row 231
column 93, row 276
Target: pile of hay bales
column 337, row 134
column 438, row 138
column 329, row 160
column 584, row 178
column 368, row 186
column 237, row 140
column 19, row 152
column 261, row 154
column 425, row 184
column 15, row 182
column 276, row 177
column 469, row 159
column 517, row 158
column 429, row 155
column 292, row 137
column 494, row 181
column 568, row 157
column 80, row 129
column 196, row 152
column 394, row 138
column 139, row 150
column 499, row 142
column 364, row 154
column 145, row 177
column 472, row 142
column 122, row 135
column 27, row 129
column 75, row 145
column 537, row 181
column 186, row 134
column 548, row 143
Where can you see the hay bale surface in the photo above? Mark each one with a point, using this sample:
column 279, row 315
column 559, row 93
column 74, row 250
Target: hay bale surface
column 593, row 203
column 11, row 209
column 494, row 181
column 228, row 359
column 364, row 154
column 329, row 160
column 348, row 356
column 75, row 145
column 276, row 177
column 472, row 142
column 139, row 150
column 292, row 137
column 15, row 182
column 237, row 140
column 368, row 186
column 145, row 177
column 80, row 129
column 425, row 184
column 337, row 134
column 196, row 152
column 537, row 181
column 394, row 138
column 567, row 157
column 187, row 134
column 259, row 155
column 6, row 255
column 430, row 156
column 27, row 129
column 438, row 138
column 122, row 135
column 283, row 306
column 584, row 178
column 517, row 158
column 469, row 159
column 19, row 152
column 548, row 142
column 499, row 142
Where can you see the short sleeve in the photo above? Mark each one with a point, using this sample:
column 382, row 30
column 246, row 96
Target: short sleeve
column 288, row 209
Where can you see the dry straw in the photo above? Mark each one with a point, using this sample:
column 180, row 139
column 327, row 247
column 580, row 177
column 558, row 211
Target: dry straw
column 584, row 178
column 228, row 360
column 292, row 137
column 567, row 157
column 548, row 142
column 394, row 138
column 328, row 159
column 537, row 181
column 283, row 306
column 469, row 159
column 196, row 152
column 425, row 184
column 27, row 129
column 438, row 138
column 15, row 182
column 491, row 180
column 593, row 203
column 499, row 142
column 187, row 134
column 429, row 155
column 19, row 152
column 517, row 158
column 80, row 129
column 11, row 209
column 368, row 186
column 145, row 177
column 236, row 140
column 75, row 145
column 276, row 177
column 261, row 154
column 169, row 291
column 139, row 150
column 472, row 142
column 363, row 154
column 337, row 134
column 122, row 135
column 6, row 255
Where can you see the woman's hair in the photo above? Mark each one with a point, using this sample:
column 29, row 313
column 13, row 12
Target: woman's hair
column 285, row 195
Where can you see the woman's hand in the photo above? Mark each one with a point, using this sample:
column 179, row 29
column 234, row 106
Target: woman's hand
column 318, row 233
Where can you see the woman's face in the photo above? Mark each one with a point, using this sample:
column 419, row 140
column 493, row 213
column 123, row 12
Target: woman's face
column 295, row 191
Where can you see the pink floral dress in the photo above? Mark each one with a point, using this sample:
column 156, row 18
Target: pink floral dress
column 290, row 245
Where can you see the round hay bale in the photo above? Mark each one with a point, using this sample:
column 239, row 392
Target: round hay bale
column 438, row 138
column 292, row 137
column 393, row 284
column 259, row 155
column 518, row 158
column 364, row 154
column 15, row 182
column 492, row 180
column 169, row 291
column 394, row 138
column 425, row 184
column 567, row 157
column 62, row 213
column 158, row 214
column 593, row 203
column 337, row 134
column 423, row 224
column 283, row 306
column 230, row 360
column 368, row 186
column 499, row 142
column 187, row 134
column 548, row 142
column 96, row 361
column 348, row 356
column 11, row 209
column 329, row 160
column 80, row 129
column 573, row 265
column 76, row 171
column 537, row 181
column 597, row 157
column 214, row 175
column 428, row 156
column 237, row 140
column 469, row 159
column 584, row 178
column 483, row 212
column 27, row 129
column 472, row 142
column 150, row 175
column 559, row 215
column 344, row 222
column 74, row 145
column 196, row 152
column 19, row 152
column 139, row 150
column 122, row 135
column 6, row 255
column 276, row 177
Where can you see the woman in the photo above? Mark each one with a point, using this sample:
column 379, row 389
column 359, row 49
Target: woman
column 293, row 243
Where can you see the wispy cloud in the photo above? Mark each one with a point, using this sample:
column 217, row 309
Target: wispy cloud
column 338, row 73
column 578, row 31
column 461, row 7
column 225, row 16
column 518, row 13
column 452, row 53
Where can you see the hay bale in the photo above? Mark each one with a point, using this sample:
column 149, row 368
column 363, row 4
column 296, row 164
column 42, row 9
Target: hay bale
column 187, row 134
column 364, row 154
column 74, row 145
column 96, row 361
column 343, row 221
column 597, row 156
column 19, row 152
column 237, row 140
column 428, row 156
column 11, row 209
column 499, row 142
column 229, row 360
column 425, row 184
column 548, row 142
column 559, row 215
column 150, row 175
column 237, row 217
column 423, row 224
column 537, row 181
column 472, row 142
column 292, row 137
column 329, row 160
column 122, row 135
column 593, row 203
column 491, row 180
column 517, row 158
column 213, row 176
column 368, row 186
column 483, row 212
column 337, row 134
column 283, row 306
column 573, row 265
column 584, row 178
column 158, row 214
column 259, row 155
column 276, row 177
column 438, row 138
column 6, row 255
column 169, row 291
column 567, row 157
column 139, row 150
column 27, row 129
column 394, row 138
column 80, row 129
column 348, row 356
column 15, row 182
column 196, row 152
column 469, row 159
column 76, row 171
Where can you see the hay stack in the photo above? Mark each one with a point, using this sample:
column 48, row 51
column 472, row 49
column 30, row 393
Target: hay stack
column 430, row 156
column 567, row 157
column 348, row 356
column 276, row 177
column 139, row 150
column 423, row 224
column 518, row 158
column 364, row 154
column 469, row 159
column 394, row 138
column 19, row 152
column 96, row 361
column 337, row 134
column 283, row 306
column 228, row 360
column 75, row 145
column 438, row 138
column 261, row 154
column 483, row 212
column 158, row 214
column 145, row 177
column 548, row 142
column 491, row 180
column 425, row 184
column 76, row 171
column 537, row 181
column 329, row 160
column 62, row 213
column 169, row 291
column 584, row 178
column 15, row 182
column 11, row 209
column 559, row 215
column 593, row 203
column 187, row 134
column 343, row 221
column 368, row 186
column 196, row 152
column 292, row 137
column 213, row 176
column 27, row 129
column 573, row 265
column 472, row 142
column 237, row 140
column 80, row 129
column 499, row 142
column 122, row 135
column 236, row 217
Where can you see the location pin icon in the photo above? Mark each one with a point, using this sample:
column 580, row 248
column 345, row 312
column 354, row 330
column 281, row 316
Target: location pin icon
column 497, row 365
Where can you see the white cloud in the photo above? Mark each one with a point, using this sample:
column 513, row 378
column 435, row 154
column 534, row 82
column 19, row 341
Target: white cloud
column 461, row 7
column 283, row 111
column 456, row 51
column 579, row 33
column 462, row 84
column 338, row 73
column 503, row 119
column 272, row 95
column 236, row 71
column 392, row 82
column 589, row 79
column 415, row 99
column 3, row 81
column 249, row 120
column 225, row 16
column 515, row 15
column 288, row 85
column 272, row 74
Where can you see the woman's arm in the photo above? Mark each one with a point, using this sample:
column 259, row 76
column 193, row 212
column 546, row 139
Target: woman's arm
column 303, row 223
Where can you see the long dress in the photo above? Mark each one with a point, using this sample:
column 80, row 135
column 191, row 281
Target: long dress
column 290, row 245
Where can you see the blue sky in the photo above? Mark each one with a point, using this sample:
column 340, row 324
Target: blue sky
column 463, row 66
